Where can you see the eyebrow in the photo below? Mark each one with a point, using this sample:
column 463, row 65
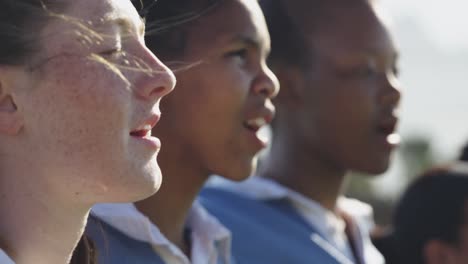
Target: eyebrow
column 395, row 55
column 126, row 24
column 251, row 42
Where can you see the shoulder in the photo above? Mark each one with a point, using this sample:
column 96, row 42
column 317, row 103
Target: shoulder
column 115, row 247
column 221, row 194
column 260, row 226
column 222, row 202
column 235, row 210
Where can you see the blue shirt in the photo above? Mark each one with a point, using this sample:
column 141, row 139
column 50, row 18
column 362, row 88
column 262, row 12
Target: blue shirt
column 268, row 231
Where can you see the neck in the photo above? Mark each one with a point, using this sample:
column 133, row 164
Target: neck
column 291, row 164
column 168, row 209
column 35, row 226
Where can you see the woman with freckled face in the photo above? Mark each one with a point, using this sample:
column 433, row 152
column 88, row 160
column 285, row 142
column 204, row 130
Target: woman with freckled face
column 211, row 126
column 79, row 95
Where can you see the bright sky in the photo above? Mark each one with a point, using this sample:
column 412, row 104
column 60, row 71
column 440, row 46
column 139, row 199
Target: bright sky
column 446, row 21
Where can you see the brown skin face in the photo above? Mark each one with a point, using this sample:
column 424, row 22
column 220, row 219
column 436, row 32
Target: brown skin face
column 347, row 117
column 438, row 252
column 458, row 253
column 205, row 120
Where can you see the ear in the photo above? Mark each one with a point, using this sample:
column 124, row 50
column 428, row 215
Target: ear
column 436, row 252
column 10, row 120
column 292, row 83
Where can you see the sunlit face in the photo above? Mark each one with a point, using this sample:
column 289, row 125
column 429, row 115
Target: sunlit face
column 349, row 116
column 221, row 103
column 89, row 101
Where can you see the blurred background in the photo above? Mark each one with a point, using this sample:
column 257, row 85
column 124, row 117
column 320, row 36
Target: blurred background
column 433, row 40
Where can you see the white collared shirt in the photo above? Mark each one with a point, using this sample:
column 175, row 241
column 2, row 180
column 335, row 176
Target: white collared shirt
column 4, row 259
column 210, row 241
column 327, row 223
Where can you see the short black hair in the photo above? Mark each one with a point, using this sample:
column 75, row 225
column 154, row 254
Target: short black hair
column 288, row 41
column 433, row 207
column 167, row 24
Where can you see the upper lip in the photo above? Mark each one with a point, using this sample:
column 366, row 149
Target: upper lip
column 260, row 118
column 147, row 124
column 387, row 124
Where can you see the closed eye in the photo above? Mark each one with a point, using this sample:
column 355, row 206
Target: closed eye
column 366, row 71
column 396, row 71
column 242, row 53
column 112, row 52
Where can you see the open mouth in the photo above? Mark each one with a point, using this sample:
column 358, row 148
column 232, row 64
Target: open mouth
column 388, row 129
column 144, row 130
column 144, row 134
column 255, row 124
column 141, row 133
column 387, row 126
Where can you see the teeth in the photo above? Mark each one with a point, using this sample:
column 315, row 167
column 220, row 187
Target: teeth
column 257, row 122
column 146, row 127
column 394, row 139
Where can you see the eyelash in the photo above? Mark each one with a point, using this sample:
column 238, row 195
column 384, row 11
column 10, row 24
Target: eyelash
column 242, row 53
column 364, row 71
column 396, row 71
column 368, row 71
column 112, row 52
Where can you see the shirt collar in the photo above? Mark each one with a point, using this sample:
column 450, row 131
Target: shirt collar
column 4, row 259
column 203, row 223
column 126, row 218
column 207, row 234
column 265, row 189
column 210, row 239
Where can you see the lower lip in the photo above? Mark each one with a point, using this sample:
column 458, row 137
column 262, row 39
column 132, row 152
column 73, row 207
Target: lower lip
column 152, row 142
column 256, row 140
column 389, row 141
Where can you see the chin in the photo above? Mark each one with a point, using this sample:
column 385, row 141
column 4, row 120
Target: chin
column 118, row 185
column 237, row 175
column 135, row 194
column 139, row 188
column 240, row 172
column 377, row 167
column 149, row 187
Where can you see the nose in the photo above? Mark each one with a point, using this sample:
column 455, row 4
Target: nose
column 266, row 83
column 156, row 80
column 392, row 91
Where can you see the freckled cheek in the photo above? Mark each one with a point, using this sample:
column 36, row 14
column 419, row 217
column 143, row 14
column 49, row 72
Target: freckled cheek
column 95, row 85
column 87, row 100
column 89, row 96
